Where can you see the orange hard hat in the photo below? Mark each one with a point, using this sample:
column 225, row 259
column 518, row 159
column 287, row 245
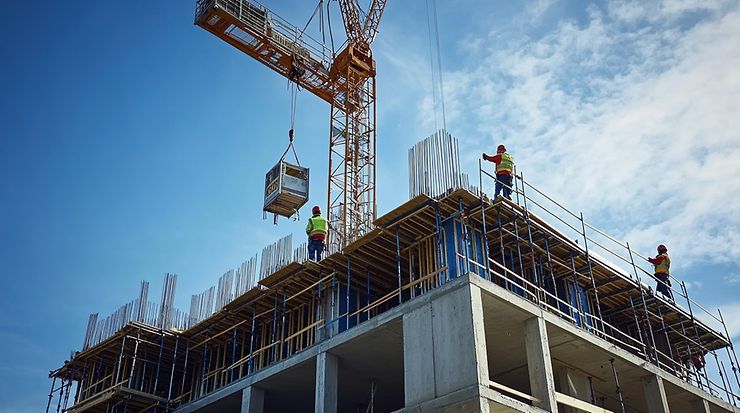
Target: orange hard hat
column 316, row 210
column 501, row 148
column 662, row 248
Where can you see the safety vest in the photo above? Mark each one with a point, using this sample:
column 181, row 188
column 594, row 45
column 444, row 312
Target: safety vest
column 506, row 164
column 664, row 266
column 316, row 225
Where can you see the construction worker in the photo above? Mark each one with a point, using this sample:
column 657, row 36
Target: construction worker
column 504, row 170
column 662, row 265
column 316, row 231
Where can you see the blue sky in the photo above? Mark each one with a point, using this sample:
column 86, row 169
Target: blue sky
column 135, row 143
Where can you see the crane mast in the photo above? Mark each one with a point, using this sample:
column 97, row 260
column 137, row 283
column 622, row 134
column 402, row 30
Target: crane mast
column 346, row 81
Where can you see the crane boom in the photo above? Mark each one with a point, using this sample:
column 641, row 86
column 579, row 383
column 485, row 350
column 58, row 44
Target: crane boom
column 346, row 81
column 372, row 21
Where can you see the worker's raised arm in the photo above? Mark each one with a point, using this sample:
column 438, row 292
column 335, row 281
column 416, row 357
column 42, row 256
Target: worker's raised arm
column 494, row 159
column 657, row 260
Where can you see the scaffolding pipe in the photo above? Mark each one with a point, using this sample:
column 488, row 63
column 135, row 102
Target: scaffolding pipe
column 537, row 279
column 651, row 336
column 349, row 280
column 465, row 238
column 616, row 382
column 730, row 354
column 637, row 324
column 549, row 264
column 203, row 370
column 233, row 348
column 250, row 366
column 722, row 376
column 133, row 359
column 51, row 393
column 591, row 387
column 519, row 254
column 591, row 273
column 439, row 252
column 172, row 372
column 665, row 331
column 731, row 393
column 501, row 237
column 120, row 360
column 483, row 218
column 579, row 309
column 274, row 329
column 398, row 262
column 185, row 367
column 159, row 361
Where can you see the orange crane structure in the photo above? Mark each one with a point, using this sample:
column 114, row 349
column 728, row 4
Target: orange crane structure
column 346, row 80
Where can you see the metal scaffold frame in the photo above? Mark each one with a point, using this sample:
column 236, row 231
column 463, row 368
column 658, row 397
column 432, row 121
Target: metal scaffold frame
column 414, row 249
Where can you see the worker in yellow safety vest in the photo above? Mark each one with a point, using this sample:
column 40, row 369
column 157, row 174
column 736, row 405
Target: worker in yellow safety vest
column 316, row 231
column 662, row 265
column 504, row 170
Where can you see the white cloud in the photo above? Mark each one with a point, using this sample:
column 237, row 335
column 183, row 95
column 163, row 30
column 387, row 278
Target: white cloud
column 630, row 116
column 733, row 278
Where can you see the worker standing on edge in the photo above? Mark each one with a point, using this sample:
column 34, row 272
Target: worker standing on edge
column 662, row 265
column 504, row 169
column 316, row 230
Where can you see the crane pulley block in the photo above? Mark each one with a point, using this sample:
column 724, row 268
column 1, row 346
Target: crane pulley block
column 286, row 188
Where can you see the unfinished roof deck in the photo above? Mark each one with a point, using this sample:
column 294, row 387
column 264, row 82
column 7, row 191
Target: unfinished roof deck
column 414, row 248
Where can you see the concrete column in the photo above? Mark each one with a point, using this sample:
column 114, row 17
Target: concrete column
column 418, row 356
column 574, row 384
column 539, row 364
column 327, row 382
column 701, row 406
column 460, row 357
column 253, row 400
column 444, row 346
column 655, row 394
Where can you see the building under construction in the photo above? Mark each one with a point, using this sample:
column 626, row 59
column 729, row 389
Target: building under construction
column 453, row 302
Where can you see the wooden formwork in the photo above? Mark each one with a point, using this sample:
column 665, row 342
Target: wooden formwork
column 413, row 249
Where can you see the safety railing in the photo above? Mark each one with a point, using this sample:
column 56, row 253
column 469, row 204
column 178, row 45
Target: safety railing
column 588, row 237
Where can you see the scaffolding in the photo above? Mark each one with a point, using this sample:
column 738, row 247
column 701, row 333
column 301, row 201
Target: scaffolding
column 419, row 246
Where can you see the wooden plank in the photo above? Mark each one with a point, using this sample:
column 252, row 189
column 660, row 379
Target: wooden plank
column 579, row 404
column 498, row 386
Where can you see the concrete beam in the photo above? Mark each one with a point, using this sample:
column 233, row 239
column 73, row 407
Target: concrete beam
column 539, row 364
column 327, row 382
column 253, row 400
column 655, row 397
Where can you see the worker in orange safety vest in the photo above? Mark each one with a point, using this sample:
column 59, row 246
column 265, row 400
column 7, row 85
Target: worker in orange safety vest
column 662, row 265
column 504, row 170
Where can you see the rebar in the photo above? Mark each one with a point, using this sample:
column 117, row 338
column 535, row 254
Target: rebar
column 434, row 166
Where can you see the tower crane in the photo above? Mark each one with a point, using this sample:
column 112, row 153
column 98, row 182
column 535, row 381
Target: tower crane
column 346, row 80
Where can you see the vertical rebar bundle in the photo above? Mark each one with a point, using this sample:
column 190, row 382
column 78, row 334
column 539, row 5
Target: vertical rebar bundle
column 434, row 166
column 168, row 299
column 225, row 286
column 246, row 276
column 276, row 256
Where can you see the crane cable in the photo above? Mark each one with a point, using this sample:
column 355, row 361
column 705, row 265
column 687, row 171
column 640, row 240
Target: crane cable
column 439, row 61
column 294, row 79
column 293, row 86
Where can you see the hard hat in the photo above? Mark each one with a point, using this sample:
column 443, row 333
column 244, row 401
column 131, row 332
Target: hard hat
column 316, row 210
column 501, row 148
column 662, row 248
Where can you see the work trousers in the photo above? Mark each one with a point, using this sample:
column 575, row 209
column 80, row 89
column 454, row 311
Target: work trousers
column 664, row 285
column 315, row 249
column 503, row 182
